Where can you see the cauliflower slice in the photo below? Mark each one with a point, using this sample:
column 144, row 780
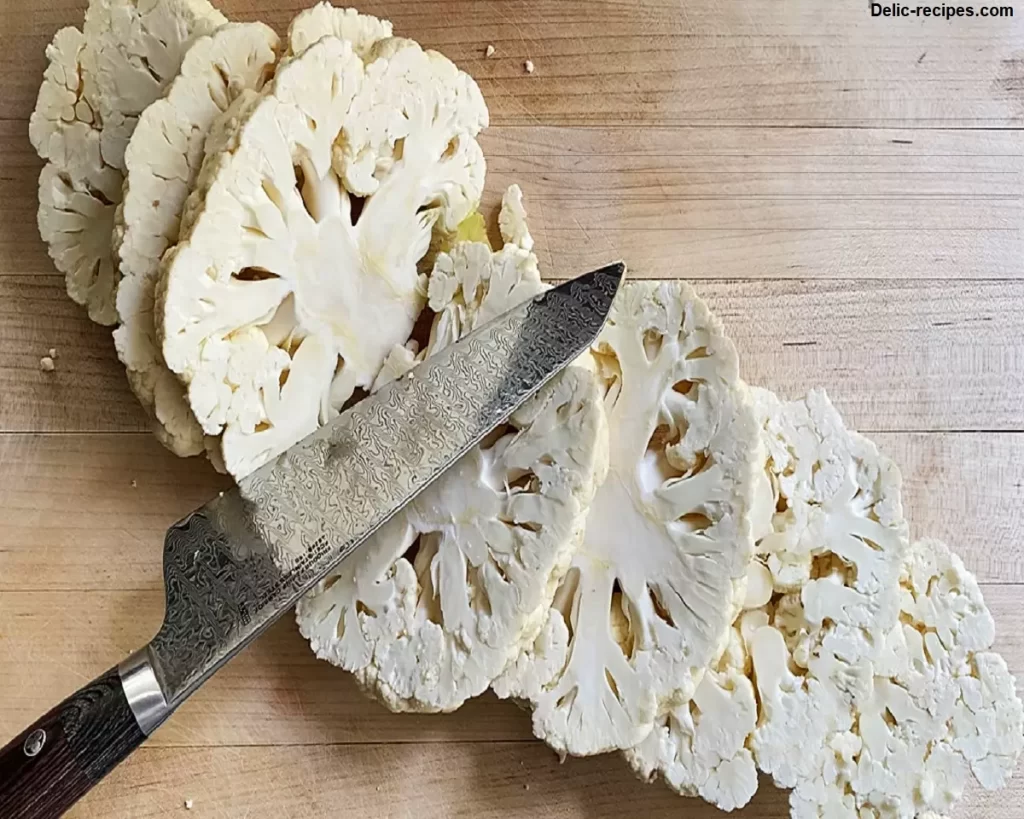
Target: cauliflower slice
column 940, row 705
column 435, row 606
column 649, row 599
column 823, row 492
column 837, row 541
column 96, row 84
column 943, row 705
column 877, row 692
column 296, row 273
column 162, row 162
column 699, row 747
column 323, row 19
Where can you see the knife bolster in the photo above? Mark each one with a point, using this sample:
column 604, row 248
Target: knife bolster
column 142, row 690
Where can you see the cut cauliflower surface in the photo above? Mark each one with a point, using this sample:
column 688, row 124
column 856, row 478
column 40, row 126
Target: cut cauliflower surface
column 878, row 695
column 652, row 592
column 699, row 747
column 96, row 84
column 827, row 503
column 939, row 705
column 837, row 541
column 469, row 286
column 838, row 534
column 162, row 161
column 296, row 273
column 942, row 705
column 435, row 605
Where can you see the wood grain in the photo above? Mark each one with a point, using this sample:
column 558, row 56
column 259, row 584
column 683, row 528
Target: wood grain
column 656, row 63
column 846, row 192
column 471, row 781
column 768, row 202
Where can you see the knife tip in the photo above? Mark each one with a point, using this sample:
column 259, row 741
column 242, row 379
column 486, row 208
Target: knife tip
column 605, row 281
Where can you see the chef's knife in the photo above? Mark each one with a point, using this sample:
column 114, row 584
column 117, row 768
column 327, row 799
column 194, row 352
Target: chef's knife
column 235, row 565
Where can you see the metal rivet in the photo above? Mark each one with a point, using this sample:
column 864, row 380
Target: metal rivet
column 34, row 742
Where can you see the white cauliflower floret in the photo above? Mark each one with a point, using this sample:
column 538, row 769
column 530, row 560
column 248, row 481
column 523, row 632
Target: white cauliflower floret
column 699, row 748
column 98, row 81
column 837, row 491
column 943, row 705
column 651, row 593
column 824, row 500
column 834, row 551
column 512, row 219
column 438, row 602
column 306, row 227
column 162, row 162
column 362, row 30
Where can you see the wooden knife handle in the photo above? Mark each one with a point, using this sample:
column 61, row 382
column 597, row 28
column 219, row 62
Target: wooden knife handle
column 58, row 759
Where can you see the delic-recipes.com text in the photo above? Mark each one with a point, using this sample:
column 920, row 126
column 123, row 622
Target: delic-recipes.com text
column 942, row 11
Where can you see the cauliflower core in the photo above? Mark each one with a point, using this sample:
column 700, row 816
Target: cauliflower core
column 650, row 596
column 296, row 273
column 162, row 162
column 434, row 607
column 97, row 83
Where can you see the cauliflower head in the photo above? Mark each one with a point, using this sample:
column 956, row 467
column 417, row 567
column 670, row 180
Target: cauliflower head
column 437, row 603
column 651, row 593
column 296, row 271
column 97, row 83
column 162, row 162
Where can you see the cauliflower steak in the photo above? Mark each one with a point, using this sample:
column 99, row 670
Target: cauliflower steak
column 652, row 591
column 435, row 605
column 296, row 273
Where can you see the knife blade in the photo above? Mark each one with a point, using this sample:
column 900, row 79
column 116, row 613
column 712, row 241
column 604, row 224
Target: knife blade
column 232, row 567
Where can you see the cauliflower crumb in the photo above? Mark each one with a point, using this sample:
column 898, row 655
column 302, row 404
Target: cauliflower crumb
column 46, row 364
column 135, row 484
column 52, row 353
column 489, row 51
column 188, row 802
column 528, row 65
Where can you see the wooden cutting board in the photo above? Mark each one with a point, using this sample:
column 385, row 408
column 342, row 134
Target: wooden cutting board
column 844, row 190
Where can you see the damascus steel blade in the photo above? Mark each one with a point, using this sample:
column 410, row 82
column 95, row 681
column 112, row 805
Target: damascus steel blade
column 235, row 565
